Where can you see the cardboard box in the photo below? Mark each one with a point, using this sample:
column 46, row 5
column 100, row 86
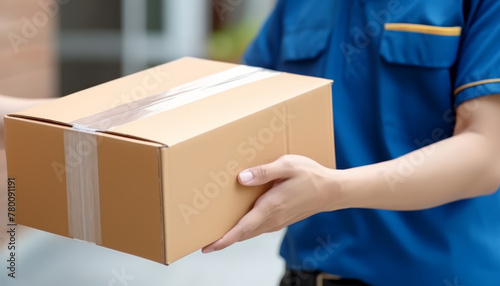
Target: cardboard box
column 161, row 184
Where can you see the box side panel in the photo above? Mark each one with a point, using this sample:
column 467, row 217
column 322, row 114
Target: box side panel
column 35, row 158
column 203, row 198
column 130, row 197
column 310, row 128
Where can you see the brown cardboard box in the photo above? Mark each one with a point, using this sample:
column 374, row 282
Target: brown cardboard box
column 165, row 184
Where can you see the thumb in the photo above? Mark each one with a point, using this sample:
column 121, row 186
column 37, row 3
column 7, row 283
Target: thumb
column 263, row 174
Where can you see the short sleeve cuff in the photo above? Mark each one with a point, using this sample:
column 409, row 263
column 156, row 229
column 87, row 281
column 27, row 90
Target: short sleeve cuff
column 476, row 89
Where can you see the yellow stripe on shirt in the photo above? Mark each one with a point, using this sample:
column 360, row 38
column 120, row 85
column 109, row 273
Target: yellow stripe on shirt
column 476, row 83
column 424, row 29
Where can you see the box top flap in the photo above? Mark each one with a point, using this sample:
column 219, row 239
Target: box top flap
column 140, row 104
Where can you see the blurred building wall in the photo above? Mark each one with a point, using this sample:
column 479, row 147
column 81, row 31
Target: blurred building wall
column 28, row 61
column 57, row 47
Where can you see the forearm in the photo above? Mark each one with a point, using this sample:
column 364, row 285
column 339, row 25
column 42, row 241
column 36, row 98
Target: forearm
column 10, row 104
column 459, row 167
column 463, row 166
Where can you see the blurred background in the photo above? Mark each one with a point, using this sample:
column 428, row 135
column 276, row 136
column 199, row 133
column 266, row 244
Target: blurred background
column 51, row 48
column 62, row 46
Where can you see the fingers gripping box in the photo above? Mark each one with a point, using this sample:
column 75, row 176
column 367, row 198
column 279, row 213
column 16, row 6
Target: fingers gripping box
column 147, row 164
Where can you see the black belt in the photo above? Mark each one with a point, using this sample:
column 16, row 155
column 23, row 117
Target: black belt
column 303, row 278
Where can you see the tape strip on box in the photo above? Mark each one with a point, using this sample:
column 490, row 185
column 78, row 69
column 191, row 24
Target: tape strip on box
column 80, row 142
column 82, row 185
column 174, row 97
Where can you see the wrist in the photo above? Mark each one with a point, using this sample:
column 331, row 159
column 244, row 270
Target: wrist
column 337, row 188
column 357, row 188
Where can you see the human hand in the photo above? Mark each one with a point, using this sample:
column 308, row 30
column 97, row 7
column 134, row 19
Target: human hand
column 301, row 188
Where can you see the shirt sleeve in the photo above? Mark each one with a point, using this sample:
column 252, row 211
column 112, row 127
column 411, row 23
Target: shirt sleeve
column 478, row 66
column 265, row 48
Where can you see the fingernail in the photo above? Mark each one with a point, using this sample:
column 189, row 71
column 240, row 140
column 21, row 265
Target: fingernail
column 208, row 250
column 246, row 176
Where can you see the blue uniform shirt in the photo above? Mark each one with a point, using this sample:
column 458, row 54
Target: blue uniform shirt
column 401, row 68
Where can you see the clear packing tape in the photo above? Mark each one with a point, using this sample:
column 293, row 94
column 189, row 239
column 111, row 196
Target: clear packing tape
column 172, row 98
column 80, row 142
column 82, row 185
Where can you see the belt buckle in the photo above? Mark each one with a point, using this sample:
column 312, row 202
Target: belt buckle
column 321, row 277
